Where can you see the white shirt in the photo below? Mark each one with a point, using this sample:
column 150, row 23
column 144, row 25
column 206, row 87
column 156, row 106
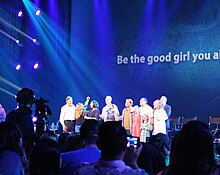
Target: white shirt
column 67, row 113
column 105, row 110
column 146, row 110
column 160, row 116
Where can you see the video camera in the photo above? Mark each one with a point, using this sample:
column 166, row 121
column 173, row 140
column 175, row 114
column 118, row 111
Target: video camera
column 42, row 111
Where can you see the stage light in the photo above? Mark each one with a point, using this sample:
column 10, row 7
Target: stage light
column 37, row 12
column 8, row 83
column 19, row 43
column 20, row 13
column 36, row 66
column 7, row 92
column 18, row 67
column 36, row 42
column 34, row 119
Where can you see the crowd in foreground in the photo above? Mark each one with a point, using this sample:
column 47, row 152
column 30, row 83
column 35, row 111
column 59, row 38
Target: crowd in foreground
column 102, row 149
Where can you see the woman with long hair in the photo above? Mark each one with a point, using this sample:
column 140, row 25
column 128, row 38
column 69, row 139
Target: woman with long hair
column 93, row 112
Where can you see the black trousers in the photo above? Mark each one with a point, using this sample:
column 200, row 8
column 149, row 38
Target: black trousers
column 70, row 124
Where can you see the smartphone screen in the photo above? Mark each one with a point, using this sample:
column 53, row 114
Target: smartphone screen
column 133, row 142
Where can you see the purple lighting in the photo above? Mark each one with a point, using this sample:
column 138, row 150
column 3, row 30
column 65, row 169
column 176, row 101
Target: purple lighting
column 18, row 67
column 20, row 13
column 37, row 12
column 36, row 66
column 34, row 119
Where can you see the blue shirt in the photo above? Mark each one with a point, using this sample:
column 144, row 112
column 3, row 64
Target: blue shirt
column 70, row 160
column 10, row 163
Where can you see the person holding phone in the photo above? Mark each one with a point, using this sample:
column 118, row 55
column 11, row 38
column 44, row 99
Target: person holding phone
column 112, row 141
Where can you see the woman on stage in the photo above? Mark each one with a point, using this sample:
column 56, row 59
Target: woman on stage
column 93, row 112
column 160, row 116
column 136, row 122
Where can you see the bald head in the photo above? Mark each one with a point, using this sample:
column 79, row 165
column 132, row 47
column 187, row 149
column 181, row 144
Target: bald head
column 163, row 100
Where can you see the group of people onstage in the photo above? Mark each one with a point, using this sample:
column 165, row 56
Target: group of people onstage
column 139, row 121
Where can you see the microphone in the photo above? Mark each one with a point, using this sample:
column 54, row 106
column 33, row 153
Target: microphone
column 108, row 110
column 87, row 101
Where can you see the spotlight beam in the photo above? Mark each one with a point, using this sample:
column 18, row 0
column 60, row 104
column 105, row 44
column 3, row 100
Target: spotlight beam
column 50, row 32
column 45, row 36
column 9, row 36
column 16, row 29
column 7, row 92
column 9, row 83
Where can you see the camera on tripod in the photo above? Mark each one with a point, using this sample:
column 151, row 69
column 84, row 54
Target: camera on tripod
column 42, row 111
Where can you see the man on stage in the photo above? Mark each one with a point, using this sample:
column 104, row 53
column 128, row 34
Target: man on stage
column 110, row 112
column 67, row 115
column 167, row 108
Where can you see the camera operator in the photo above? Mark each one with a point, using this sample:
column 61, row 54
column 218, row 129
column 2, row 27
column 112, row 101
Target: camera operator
column 22, row 116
